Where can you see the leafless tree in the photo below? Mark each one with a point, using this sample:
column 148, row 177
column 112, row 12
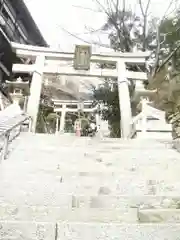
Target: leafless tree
column 144, row 12
column 159, row 43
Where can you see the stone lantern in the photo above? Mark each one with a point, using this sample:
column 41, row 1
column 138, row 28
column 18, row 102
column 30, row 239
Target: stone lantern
column 19, row 91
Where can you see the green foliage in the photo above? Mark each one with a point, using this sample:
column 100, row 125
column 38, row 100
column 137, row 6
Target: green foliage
column 84, row 122
column 45, row 120
column 40, row 127
column 115, row 129
column 110, row 98
column 170, row 27
column 69, row 124
column 108, row 94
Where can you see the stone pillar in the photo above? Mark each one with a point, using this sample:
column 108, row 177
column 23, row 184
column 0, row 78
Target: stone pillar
column 97, row 120
column 35, row 91
column 1, row 102
column 62, row 120
column 57, row 124
column 25, row 103
column 124, row 100
column 144, row 118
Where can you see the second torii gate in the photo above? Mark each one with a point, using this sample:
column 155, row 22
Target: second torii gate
column 62, row 107
column 47, row 61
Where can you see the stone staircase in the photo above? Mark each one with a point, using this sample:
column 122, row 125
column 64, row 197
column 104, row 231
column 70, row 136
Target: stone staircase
column 68, row 188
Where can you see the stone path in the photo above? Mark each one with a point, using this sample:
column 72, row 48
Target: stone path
column 67, row 188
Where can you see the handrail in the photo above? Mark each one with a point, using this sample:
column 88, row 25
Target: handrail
column 14, row 126
column 6, row 134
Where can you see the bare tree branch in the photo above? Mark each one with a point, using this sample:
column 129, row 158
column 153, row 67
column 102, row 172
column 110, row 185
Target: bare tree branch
column 83, row 40
column 159, row 44
column 141, row 7
column 117, row 7
column 86, row 8
column 145, row 15
column 109, row 6
column 169, row 6
column 115, row 23
column 157, row 51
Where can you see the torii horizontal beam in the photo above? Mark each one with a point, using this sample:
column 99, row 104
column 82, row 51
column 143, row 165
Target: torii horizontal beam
column 75, row 109
column 69, row 71
column 32, row 52
column 71, row 102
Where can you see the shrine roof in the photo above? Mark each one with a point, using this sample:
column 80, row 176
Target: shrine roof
column 29, row 23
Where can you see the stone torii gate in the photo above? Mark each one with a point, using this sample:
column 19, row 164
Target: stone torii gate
column 62, row 106
column 47, row 62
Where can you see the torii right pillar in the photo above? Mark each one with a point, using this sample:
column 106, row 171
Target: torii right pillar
column 124, row 101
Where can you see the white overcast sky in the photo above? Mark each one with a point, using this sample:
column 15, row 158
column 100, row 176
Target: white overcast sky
column 52, row 16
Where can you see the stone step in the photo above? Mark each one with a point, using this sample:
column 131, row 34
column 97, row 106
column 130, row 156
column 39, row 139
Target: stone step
column 90, row 161
column 91, row 180
column 103, row 151
column 122, row 150
column 62, row 174
column 54, row 214
column 98, row 209
column 13, row 169
column 71, row 138
column 94, row 165
column 16, row 230
column 80, row 231
column 92, row 146
column 159, row 215
column 79, row 151
column 85, row 202
column 54, row 178
column 58, row 141
column 96, row 170
column 84, row 157
column 45, row 139
column 54, row 197
column 82, row 214
column 90, row 185
column 108, row 188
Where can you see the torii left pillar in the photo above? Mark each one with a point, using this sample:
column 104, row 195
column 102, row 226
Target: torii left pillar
column 35, row 92
column 62, row 119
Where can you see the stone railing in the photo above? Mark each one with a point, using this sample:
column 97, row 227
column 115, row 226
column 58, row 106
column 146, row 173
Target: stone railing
column 12, row 120
column 141, row 120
